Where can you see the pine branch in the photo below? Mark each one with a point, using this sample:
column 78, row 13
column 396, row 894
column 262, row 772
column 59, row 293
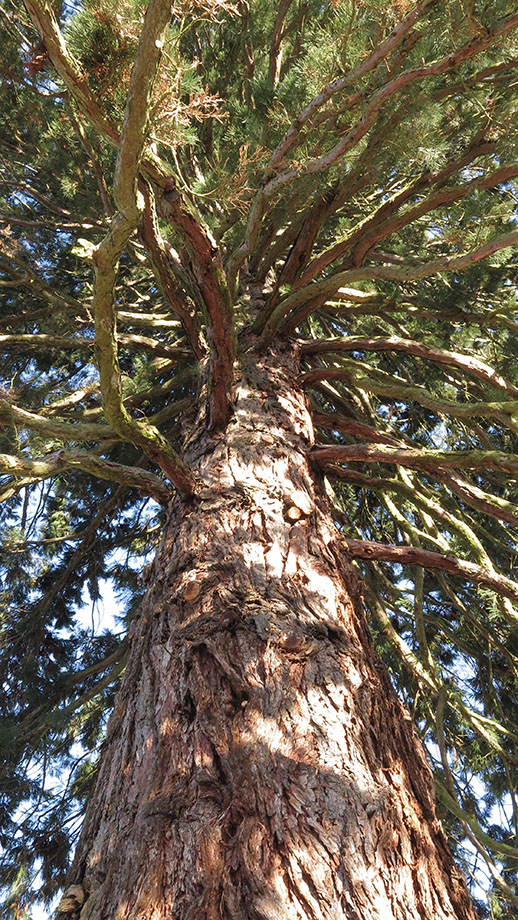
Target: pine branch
column 41, row 341
column 11, row 219
column 275, row 57
column 104, row 193
column 503, row 849
column 498, row 508
column 390, row 387
column 383, row 50
column 335, row 422
column 378, row 98
column 29, row 191
column 28, row 278
column 13, row 416
column 385, row 220
column 493, row 505
column 106, row 255
column 318, row 292
column 68, row 68
column 417, row 669
column 318, row 164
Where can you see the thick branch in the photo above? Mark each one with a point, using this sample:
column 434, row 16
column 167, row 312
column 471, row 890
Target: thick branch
column 401, row 274
column 393, row 343
column 175, row 298
column 58, row 462
column 12, row 415
column 413, row 555
column 134, row 128
column 418, row 459
column 207, row 270
column 107, row 254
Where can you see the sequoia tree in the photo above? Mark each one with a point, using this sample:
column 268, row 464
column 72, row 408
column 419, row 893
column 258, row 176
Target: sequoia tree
column 259, row 372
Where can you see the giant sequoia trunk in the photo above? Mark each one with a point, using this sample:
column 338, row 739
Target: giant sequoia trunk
column 258, row 763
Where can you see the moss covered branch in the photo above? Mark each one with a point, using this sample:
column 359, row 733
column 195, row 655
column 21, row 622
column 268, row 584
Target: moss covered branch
column 106, row 256
column 24, row 470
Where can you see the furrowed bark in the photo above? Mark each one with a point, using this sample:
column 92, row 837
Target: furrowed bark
column 258, row 763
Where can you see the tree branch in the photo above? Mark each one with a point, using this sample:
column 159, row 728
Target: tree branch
column 493, row 505
column 152, row 239
column 418, row 459
column 13, row 416
column 383, row 50
column 393, row 343
column 274, row 65
column 413, row 555
column 60, row 461
column 207, row 270
column 106, row 255
column 381, row 223
column 356, row 133
column 68, row 68
column 391, row 388
column 378, row 98
column 402, row 274
column 138, row 343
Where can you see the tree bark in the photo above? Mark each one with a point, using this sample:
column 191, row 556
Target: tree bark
column 258, row 764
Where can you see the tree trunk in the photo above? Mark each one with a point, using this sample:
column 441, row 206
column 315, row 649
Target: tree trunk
column 258, row 763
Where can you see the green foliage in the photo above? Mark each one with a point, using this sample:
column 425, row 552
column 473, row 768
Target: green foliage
column 428, row 173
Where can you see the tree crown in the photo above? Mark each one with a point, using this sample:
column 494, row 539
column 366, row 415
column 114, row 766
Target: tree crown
column 184, row 182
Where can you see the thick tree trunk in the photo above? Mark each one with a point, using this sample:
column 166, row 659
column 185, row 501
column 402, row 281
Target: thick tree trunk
column 258, row 763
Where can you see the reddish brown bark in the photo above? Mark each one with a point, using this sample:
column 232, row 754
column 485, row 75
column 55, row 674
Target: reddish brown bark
column 258, row 763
